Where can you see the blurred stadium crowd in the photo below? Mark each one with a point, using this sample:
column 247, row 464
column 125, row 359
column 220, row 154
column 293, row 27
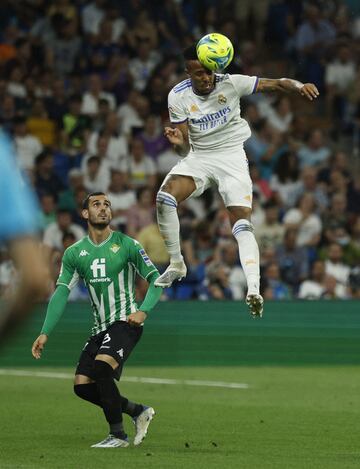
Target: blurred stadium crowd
column 83, row 92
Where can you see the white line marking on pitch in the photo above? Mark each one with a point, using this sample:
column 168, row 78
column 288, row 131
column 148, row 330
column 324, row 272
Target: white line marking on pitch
column 129, row 379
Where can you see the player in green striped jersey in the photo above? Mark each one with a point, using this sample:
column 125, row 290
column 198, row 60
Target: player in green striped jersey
column 108, row 262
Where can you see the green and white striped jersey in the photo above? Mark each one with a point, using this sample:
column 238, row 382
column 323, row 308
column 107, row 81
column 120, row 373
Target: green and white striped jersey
column 108, row 270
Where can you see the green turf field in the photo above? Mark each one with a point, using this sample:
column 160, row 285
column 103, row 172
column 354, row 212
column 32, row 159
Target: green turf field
column 297, row 403
column 287, row 418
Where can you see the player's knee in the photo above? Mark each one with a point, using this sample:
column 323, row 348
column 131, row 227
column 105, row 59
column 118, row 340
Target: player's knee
column 79, row 390
column 102, row 371
column 165, row 199
column 239, row 213
column 242, row 226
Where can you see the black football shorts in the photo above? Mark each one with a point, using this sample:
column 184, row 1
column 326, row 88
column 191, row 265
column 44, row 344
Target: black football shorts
column 118, row 341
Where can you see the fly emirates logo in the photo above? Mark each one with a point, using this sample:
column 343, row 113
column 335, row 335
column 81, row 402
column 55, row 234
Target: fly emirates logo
column 209, row 121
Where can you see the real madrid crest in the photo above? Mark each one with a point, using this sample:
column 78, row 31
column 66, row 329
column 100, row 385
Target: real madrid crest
column 221, row 99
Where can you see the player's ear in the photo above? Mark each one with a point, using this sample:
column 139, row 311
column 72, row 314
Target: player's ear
column 85, row 214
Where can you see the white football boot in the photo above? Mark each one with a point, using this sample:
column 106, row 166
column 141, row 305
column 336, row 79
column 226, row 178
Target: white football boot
column 142, row 423
column 255, row 303
column 111, row 442
column 175, row 271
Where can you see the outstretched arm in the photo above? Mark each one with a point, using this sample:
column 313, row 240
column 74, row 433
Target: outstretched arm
column 55, row 309
column 308, row 90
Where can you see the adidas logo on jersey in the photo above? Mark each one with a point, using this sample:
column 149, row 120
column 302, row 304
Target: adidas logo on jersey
column 83, row 253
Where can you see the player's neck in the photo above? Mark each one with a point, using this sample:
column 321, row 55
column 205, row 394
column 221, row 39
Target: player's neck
column 99, row 235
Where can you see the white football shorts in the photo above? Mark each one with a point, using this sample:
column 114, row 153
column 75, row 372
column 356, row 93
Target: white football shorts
column 228, row 171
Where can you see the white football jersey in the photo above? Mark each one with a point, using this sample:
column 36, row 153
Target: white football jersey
column 214, row 119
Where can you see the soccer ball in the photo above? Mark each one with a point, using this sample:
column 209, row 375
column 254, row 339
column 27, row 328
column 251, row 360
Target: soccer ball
column 215, row 51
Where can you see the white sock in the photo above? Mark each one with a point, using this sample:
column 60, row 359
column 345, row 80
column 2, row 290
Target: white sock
column 169, row 225
column 249, row 254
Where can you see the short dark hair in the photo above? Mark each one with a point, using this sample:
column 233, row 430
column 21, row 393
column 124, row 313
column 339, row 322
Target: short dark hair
column 86, row 201
column 190, row 53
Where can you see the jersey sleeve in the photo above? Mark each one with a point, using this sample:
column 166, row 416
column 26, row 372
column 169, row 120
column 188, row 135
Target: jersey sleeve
column 177, row 113
column 244, row 84
column 68, row 275
column 141, row 260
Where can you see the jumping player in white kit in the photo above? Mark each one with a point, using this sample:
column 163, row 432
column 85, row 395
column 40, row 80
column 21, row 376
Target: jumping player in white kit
column 209, row 132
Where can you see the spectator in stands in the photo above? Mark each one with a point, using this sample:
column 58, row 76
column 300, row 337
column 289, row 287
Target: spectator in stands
column 271, row 232
column 8, row 112
column 64, row 49
column 67, row 197
column 28, row 147
column 352, row 249
column 142, row 66
column 48, row 210
column 53, row 235
column 260, row 185
column 313, row 38
column 122, row 198
column 142, row 213
column 96, row 175
column 95, row 92
column 315, row 152
column 15, row 86
column 336, row 214
column 143, row 29
column 339, row 76
column 200, row 248
column 141, row 168
column 133, row 113
column 57, row 103
column 310, row 185
column 335, row 266
column 74, row 127
column 156, row 93
column 275, row 288
column 285, row 180
column 96, row 167
column 292, row 259
column 321, row 285
column 338, row 162
column 228, row 254
column 281, row 114
column 46, row 180
column 153, row 138
column 40, row 125
column 263, row 148
column 91, row 16
column 305, row 220
column 117, row 148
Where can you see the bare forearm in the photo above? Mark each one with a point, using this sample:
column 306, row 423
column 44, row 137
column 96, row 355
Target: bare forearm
column 287, row 84
column 280, row 84
column 308, row 90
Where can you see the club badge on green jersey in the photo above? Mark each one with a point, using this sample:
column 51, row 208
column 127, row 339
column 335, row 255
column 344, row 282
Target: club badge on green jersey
column 114, row 248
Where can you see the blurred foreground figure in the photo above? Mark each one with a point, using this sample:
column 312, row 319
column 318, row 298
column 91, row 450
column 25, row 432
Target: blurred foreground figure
column 18, row 221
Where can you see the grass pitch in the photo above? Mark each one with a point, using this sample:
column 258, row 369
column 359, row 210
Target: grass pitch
column 290, row 417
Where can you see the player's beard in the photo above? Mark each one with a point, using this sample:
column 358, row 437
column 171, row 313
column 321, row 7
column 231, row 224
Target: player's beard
column 99, row 225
